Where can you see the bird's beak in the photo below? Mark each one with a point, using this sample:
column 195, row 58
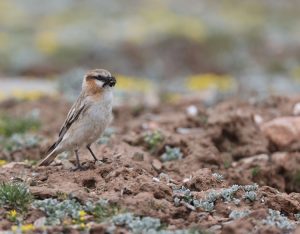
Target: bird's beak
column 112, row 81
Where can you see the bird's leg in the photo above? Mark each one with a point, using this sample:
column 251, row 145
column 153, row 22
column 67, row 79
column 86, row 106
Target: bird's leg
column 78, row 166
column 92, row 153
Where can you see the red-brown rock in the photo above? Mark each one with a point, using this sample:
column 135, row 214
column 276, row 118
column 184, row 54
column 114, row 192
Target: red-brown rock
column 282, row 131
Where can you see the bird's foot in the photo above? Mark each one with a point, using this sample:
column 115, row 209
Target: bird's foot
column 79, row 168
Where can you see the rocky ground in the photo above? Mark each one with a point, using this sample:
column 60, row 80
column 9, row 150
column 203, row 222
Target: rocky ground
column 230, row 168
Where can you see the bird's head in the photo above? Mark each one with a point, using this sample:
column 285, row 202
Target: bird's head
column 98, row 79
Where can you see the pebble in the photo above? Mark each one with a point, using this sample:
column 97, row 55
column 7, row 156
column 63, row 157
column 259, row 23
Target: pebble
column 283, row 130
column 192, row 111
column 40, row 222
column 258, row 119
column 67, row 164
column 156, row 164
column 296, row 110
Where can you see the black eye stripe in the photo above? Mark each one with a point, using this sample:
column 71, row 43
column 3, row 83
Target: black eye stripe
column 101, row 78
column 104, row 78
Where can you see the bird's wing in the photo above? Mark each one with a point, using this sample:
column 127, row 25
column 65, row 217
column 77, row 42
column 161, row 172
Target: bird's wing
column 72, row 116
column 76, row 110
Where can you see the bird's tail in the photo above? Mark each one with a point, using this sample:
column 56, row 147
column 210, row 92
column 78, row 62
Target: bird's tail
column 49, row 159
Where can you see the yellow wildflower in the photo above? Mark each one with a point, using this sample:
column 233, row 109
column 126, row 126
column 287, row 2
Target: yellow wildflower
column 12, row 213
column 27, row 227
column 2, row 162
column 209, row 80
column 129, row 83
column 47, row 42
column 82, row 226
column 27, row 95
column 295, row 73
column 82, row 213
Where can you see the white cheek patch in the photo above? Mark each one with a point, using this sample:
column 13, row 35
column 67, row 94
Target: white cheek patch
column 99, row 83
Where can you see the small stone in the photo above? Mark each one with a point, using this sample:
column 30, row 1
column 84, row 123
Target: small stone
column 192, row 111
column 155, row 179
column 296, row 110
column 34, row 174
column 43, row 177
column 280, row 158
column 67, row 164
column 156, row 164
column 255, row 158
column 258, row 119
column 185, row 180
column 13, row 164
column 164, row 178
column 282, row 131
column 183, row 130
column 98, row 163
column 40, row 222
column 215, row 228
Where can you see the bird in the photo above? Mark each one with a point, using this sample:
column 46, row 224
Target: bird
column 87, row 119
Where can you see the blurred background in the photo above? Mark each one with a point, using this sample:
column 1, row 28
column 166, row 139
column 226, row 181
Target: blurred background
column 159, row 50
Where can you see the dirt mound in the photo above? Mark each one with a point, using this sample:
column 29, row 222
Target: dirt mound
column 188, row 170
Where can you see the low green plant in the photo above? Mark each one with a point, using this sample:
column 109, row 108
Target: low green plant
column 19, row 141
column 255, row 171
column 251, row 187
column 183, row 195
column 153, row 139
column 250, row 196
column 218, row 177
column 10, row 126
column 275, row 218
column 57, row 211
column 101, row 209
column 296, row 179
column 204, row 205
column 171, row 153
column 137, row 224
column 15, row 196
column 237, row 214
column 227, row 194
column 147, row 225
column 227, row 164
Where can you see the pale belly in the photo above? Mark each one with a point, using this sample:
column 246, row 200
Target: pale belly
column 88, row 128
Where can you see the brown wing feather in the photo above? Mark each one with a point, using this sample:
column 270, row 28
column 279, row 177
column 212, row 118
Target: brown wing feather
column 72, row 116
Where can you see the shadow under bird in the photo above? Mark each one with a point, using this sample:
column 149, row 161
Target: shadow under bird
column 88, row 117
